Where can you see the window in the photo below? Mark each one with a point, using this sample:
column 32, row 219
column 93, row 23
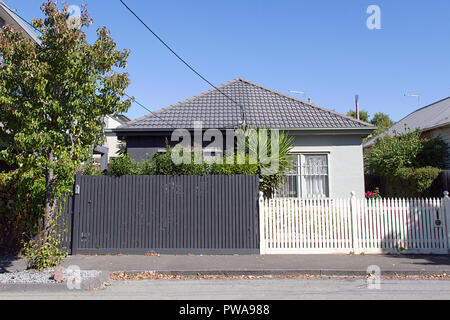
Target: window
column 315, row 175
column 291, row 186
column 308, row 178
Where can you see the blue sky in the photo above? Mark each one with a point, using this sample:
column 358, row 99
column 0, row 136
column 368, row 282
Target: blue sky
column 321, row 47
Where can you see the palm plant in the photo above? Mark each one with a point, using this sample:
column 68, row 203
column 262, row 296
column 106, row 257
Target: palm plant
column 273, row 148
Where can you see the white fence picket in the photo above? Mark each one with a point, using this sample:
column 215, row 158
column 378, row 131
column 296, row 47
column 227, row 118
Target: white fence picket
column 344, row 225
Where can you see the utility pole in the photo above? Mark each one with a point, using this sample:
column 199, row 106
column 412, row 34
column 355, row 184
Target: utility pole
column 357, row 107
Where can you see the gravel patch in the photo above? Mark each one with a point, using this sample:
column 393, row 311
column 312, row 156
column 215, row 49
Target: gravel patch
column 43, row 277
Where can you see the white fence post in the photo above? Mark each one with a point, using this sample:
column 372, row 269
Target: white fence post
column 446, row 205
column 262, row 221
column 354, row 213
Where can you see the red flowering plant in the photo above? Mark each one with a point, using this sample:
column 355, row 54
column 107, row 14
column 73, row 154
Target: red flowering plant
column 373, row 195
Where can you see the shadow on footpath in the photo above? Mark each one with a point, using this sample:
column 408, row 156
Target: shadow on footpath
column 430, row 259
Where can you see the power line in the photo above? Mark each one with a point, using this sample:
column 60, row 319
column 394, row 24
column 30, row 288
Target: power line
column 184, row 62
column 152, row 112
column 17, row 14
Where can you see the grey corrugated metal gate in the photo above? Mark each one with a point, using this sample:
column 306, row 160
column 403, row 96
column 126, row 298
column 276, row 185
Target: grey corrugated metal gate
column 164, row 214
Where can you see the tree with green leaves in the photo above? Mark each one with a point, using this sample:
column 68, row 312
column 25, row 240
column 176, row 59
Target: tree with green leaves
column 363, row 115
column 54, row 96
column 382, row 121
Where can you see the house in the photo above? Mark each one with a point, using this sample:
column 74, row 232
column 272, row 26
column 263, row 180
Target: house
column 327, row 151
column 112, row 143
column 433, row 120
column 8, row 16
column 101, row 155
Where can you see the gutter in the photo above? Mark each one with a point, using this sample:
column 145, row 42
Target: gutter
column 296, row 131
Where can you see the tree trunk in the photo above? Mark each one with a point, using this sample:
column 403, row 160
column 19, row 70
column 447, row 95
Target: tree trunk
column 49, row 199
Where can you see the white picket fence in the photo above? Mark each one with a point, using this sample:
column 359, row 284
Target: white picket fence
column 314, row 226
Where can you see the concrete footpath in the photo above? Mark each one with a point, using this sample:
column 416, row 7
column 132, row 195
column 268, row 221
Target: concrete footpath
column 256, row 289
column 352, row 265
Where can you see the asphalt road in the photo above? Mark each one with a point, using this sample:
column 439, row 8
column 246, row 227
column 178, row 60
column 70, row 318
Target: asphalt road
column 258, row 289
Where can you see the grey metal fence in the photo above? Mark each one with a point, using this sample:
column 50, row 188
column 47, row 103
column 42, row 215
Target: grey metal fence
column 65, row 219
column 164, row 214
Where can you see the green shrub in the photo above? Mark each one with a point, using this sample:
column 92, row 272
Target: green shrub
column 146, row 167
column 89, row 170
column 409, row 163
column 162, row 164
column 240, row 165
column 390, row 153
column 415, row 181
column 433, row 153
column 124, row 165
column 22, row 194
column 42, row 254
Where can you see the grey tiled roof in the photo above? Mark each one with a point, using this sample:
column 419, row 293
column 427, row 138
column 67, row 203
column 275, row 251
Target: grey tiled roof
column 262, row 107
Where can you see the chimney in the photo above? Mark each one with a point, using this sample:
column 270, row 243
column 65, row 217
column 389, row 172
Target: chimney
column 357, row 107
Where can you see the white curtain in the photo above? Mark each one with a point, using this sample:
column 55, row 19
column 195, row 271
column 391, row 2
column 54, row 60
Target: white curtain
column 315, row 175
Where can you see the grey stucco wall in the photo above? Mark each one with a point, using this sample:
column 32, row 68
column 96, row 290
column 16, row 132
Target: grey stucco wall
column 346, row 162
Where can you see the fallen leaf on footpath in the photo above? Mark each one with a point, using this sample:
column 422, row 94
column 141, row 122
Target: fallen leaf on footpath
column 152, row 254
column 121, row 275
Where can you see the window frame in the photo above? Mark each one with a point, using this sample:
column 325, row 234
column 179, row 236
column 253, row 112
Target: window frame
column 301, row 185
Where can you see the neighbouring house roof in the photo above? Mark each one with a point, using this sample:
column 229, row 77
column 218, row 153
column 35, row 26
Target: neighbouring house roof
column 262, row 107
column 112, row 122
column 11, row 18
column 123, row 118
column 431, row 117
